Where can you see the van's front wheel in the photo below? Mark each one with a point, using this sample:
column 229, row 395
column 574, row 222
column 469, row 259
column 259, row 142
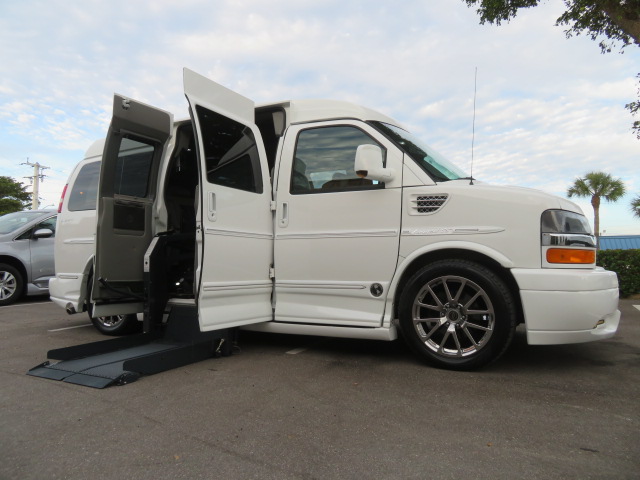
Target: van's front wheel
column 457, row 314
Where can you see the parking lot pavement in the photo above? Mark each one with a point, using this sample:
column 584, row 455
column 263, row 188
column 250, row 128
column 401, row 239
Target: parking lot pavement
column 304, row 407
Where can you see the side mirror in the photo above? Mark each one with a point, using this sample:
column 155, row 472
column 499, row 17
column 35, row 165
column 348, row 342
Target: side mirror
column 369, row 164
column 43, row 233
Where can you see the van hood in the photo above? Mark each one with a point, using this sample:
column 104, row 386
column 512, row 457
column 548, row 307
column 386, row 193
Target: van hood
column 536, row 196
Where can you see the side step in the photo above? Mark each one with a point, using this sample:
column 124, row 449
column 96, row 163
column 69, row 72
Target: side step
column 123, row 360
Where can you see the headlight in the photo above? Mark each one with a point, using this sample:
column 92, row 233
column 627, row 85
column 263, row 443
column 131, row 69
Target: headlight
column 566, row 239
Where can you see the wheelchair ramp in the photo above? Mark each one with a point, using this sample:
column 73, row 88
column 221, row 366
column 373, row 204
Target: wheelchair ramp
column 123, row 360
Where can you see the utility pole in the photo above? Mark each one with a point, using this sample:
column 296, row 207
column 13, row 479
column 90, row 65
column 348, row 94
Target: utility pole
column 35, row 180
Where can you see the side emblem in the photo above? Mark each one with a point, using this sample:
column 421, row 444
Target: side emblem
column 376, row 289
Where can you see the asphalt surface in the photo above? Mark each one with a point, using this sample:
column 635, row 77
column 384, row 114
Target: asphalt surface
column 292, row 407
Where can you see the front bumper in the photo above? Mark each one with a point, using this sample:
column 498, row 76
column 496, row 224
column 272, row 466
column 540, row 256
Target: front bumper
column 568, row 305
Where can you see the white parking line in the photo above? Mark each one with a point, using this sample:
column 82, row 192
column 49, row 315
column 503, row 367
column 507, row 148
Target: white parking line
column 637, row 306
column 295, row 351
column 24, row 305
column 69, row 328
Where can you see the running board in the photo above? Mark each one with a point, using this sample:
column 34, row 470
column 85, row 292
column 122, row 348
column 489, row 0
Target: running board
column 123, row 360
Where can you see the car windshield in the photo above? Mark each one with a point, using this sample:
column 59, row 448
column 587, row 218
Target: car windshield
column 435, row 165
column 13, row 221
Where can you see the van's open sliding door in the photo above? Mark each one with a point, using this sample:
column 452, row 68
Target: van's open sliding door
column 235, row 229
column 128, row 185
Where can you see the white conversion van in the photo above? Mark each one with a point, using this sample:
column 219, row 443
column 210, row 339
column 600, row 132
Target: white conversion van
column 75, row 245
column 322, row 218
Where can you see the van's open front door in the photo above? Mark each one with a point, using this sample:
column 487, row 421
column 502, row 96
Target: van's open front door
column 128, row 184
column 234, row 231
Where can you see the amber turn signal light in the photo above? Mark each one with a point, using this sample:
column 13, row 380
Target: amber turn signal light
column 569, row 255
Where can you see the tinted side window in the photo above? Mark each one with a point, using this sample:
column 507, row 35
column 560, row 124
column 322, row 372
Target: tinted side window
column 324, row 160
column 85, row 189
column 133, row 167
column 49, row 223
column 230, row 151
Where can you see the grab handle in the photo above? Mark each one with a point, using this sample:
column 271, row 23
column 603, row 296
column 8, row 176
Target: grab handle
column 284, row 218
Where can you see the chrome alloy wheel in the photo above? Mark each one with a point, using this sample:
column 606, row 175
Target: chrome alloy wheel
column 8, row 285
column 453, row 316
column 112, row 321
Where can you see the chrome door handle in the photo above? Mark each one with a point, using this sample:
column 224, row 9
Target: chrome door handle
column 212, row 207
column 284, row 215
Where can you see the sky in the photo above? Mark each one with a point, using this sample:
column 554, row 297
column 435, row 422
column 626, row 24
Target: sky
column 548, row 109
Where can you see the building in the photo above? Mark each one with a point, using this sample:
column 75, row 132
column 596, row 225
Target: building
column 621, row 242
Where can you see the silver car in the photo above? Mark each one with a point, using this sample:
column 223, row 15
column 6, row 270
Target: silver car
column 26, row 253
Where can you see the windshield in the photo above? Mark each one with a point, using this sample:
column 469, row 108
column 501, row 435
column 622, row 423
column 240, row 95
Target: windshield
column 13, row 221
column 435, row 165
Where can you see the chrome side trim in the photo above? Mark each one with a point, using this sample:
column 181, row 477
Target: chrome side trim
column 346, row 234
column 75, row 241
column 451, row 231
column 321, row 286
column 217, row 286
column 237, row 233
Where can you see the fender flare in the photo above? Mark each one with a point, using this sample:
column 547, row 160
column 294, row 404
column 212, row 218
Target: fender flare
column 405, row 263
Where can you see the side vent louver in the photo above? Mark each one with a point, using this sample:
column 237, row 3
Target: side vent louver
column 428, row 204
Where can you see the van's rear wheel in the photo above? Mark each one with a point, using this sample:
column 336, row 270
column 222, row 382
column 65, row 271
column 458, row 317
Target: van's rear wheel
column 457, row 314
column 116, row 325
column 113, row 325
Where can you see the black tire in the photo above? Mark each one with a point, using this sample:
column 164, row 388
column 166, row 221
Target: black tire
column 457, row 314
column 116, row 325
column 112, row 325
column 11, row 284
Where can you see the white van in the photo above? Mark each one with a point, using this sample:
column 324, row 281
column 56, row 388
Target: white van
column 324, row 218
column 75, row 246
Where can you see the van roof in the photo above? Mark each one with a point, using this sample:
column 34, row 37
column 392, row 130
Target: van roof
column 95, row 150
column 302, row 111
column 298, row 111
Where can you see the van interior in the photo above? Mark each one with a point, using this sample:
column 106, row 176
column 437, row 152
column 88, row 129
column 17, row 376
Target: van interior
column 181, row 190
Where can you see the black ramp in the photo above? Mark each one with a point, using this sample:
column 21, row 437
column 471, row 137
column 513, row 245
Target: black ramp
column 124, row 360
column 101, row 370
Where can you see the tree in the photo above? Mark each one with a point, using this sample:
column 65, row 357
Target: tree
column 612, row 21
column 634, row 108
column 13, row 197
column 598, row 186
column 635, row 206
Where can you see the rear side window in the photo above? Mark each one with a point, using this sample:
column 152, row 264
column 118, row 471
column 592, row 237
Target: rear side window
column 85, row 189
column 133, row 167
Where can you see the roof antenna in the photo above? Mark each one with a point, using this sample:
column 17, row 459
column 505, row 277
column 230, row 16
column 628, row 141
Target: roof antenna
column 473, row 129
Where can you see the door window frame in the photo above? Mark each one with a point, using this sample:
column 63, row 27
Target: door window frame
column 354, row 188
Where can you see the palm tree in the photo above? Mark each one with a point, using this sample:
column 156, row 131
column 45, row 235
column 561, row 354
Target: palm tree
column 597, row 185
column 635, row 206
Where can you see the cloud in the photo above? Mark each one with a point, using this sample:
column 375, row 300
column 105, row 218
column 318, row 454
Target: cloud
column 548, row 109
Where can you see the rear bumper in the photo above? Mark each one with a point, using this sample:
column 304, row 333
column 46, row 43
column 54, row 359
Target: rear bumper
column 68, row 288
column 568, row 306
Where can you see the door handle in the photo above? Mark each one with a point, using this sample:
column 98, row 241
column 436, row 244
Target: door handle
column 212, row 207
column 284, row 215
